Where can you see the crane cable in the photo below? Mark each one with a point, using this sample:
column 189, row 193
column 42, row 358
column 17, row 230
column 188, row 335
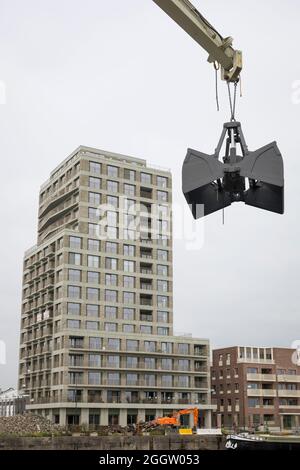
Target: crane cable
column 232, row 104
column 216, row 67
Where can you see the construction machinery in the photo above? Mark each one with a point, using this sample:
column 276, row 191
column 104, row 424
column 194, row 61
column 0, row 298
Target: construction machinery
column 174, row 420
column 253, row 177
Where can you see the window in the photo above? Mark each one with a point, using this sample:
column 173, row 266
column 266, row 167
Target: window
column 128, row 313
column 128, row 282
column 183, row 348
column 129, row 250
column 167, row 380
column 183, row 364
column 150, row 363
column 74, row 292
column 94, row 342
column 146, row 178
column 113, row 378
column 162, row 181
column 150, row 379
column 92, row 293
column 162, row 196
column 94, row 198
column 75, row 242
column 166, row 364
column 129, row 174
column 95, row 168
column 111, row 279
column 75, row 342
column 113, row 361
column 112, row 171
column 132, row 362
column 75, row 324
column 162, row 317
column 128, row 328
column 93, row 213
column 129, row 266
column 92, row 325
column 162, row 270
column 75, row 258
column 111, row 263
column 73, row 309
column 183, row 380
column 128, row 297
column 94, row 229
column 113, row 343
column 111, row 295
column 92, row 310
column 93, row 261
column 94, row 378
column 162, row 301
column 110, row 313
column 162, row 331
column 252, row 370
column 111, row 247
column 253, row 402
column 132, row 345
column 93, row 245
column 146, row 329
column 110, row 327
column 167, row 348
column 129, row 189
column 281, row 371
column 162, row 255
column 131, row 379
column 93, row 277
column 252, row 386
column 150, row 346
column 94, row 183
column 94, row 360
column 74, row 275
column 112, row 201
column 162, row 285
column 112, row 186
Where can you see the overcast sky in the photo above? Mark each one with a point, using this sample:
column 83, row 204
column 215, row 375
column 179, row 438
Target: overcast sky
column 121, row 76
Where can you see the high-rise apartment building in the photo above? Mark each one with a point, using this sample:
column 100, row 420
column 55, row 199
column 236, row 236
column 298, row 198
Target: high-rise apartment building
column 97, row 343
column 256, row 387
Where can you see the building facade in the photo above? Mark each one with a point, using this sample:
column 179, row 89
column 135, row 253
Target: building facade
column 97, row 343
column 12, row 402
column 256, row 388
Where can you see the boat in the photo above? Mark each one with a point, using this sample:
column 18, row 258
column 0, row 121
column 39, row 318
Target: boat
column 246, row 441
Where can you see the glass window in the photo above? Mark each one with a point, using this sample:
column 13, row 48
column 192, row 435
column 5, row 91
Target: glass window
column 94, row 183
column 112, row 201
column 113, row 378
column 94, row 360
column 94, row 229
column 128, row 328
column 162, row 331
column 150, row 379
column 183, row 380
column 92, row 325
column 111, row 279
column 75, row 324
column 129, row 250
column 128, row 282
column 74, row 275
column 167, row 380
column 167, row 348
column 162, row 301
column 93, row 213
column 129, row 189
column 162, row 181
column 150, row 363
column 128, row 313
column 111, row 295
column 111, row 247
column 75, row 242
column 166, row 364
column 131, row 362
column 162, row 285
column 92, row 310
column 146, row 178
column 95, row 168
column 112, row 186
column 132, row 345
column 183, row 364
column 128, row 297
column 252, row 370
column 75, row 258
column 162, row 270
column 94, row 342
column 74, row 292
column 162, row 317
column 93, row 245
column 94, row 198
column 110, row 312
column 162, row 196
column 162, row 255
column 110, row 327
column 113, row 361
column 253, row 402
column 73, row 309
column 92, row 293
column 93, row 277
column 113, row 343
column 183, row 348
column 150, row 346
column 112, row 171
column 93, row 261
column 129, row 174
column 129, row 266
column 94, row 378
column 111, row 263
column 146, row 329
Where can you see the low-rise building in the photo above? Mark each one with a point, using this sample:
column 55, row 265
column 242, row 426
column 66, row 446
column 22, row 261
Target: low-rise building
column 256, row 388
column 12, row 402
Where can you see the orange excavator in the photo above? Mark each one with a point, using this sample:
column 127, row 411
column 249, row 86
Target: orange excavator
column 174, row 420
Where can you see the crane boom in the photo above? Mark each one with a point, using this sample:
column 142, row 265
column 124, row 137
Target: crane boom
column 220, row 49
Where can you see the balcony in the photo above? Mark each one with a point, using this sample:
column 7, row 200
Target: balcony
column 288, row 378
column 289, row 393
column 259, row 392
column 261, row 377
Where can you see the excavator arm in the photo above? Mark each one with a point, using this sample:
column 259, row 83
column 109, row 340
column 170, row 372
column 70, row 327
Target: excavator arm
column 220, row 49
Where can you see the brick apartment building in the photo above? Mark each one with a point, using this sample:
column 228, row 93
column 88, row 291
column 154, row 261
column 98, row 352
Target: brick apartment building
column 97, row 344
column 256, row 388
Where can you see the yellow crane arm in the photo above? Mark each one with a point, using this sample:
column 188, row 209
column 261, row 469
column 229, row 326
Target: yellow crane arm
column 220, row 49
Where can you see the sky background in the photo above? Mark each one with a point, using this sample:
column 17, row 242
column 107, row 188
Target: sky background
column 121, row 76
